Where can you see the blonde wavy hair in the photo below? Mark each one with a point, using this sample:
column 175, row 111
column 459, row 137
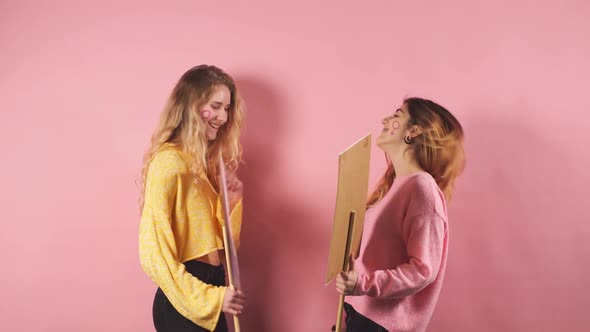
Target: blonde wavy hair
column 181, row 124
column 438, row 149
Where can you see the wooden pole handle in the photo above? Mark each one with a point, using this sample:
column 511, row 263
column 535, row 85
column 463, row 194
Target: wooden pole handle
column 345, row 267
column 229, row 273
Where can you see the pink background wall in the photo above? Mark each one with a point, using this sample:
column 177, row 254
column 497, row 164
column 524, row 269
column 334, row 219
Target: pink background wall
column 81, row 87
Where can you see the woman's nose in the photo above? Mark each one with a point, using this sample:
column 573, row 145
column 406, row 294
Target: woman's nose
column 222, row 115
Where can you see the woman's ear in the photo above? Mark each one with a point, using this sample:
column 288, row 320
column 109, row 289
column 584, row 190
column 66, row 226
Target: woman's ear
column 415, row 131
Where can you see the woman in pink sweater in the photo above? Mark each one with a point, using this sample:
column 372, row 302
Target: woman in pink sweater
column 398, row 274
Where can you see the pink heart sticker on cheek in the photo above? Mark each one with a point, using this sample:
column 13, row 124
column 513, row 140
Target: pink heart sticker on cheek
column 205, row 114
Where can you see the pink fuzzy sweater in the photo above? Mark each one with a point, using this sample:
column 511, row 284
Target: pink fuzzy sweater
column 403, row 255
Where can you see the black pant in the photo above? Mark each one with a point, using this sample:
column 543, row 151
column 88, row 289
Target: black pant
column 167, row 319
column 356, row 322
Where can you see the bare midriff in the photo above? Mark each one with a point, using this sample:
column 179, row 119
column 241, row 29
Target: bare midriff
column 214, row 258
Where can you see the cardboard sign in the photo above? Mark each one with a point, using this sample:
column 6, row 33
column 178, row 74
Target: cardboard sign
column 351, row 197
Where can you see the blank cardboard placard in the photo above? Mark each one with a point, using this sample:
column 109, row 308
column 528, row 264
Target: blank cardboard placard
column 351, row 195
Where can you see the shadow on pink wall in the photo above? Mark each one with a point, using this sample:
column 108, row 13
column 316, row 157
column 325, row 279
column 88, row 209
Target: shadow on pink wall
column 276, row 238
column 513, row 232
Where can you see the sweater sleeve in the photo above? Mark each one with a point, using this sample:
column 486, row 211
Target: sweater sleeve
column 424, row 243
column 194, row 299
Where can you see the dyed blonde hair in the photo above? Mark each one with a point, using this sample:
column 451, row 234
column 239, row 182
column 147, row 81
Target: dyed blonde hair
column 438, row 149
column 181, row 124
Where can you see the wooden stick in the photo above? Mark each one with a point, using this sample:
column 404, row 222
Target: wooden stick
column 231, row 256
column 229, row 273
column 345, row 267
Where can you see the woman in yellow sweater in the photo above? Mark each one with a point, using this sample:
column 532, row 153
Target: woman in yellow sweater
column 180, row 238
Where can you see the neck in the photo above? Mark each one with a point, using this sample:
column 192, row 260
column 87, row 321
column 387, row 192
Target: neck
column 403, row 160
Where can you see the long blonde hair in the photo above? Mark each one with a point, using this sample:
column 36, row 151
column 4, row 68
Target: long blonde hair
column 438, row 149
column 181, row 125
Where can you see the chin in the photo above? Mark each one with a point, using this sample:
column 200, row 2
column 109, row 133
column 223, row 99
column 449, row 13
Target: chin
column 383, row 142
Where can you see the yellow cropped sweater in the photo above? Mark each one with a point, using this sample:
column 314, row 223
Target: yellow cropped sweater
column 182, row 221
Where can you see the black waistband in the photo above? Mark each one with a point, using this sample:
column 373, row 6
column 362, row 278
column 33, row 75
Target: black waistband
column 211, row 274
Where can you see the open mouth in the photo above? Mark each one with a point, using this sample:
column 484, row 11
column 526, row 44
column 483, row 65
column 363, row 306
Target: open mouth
column 214, row 126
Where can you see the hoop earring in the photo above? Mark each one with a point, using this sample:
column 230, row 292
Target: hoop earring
column 408, row 140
